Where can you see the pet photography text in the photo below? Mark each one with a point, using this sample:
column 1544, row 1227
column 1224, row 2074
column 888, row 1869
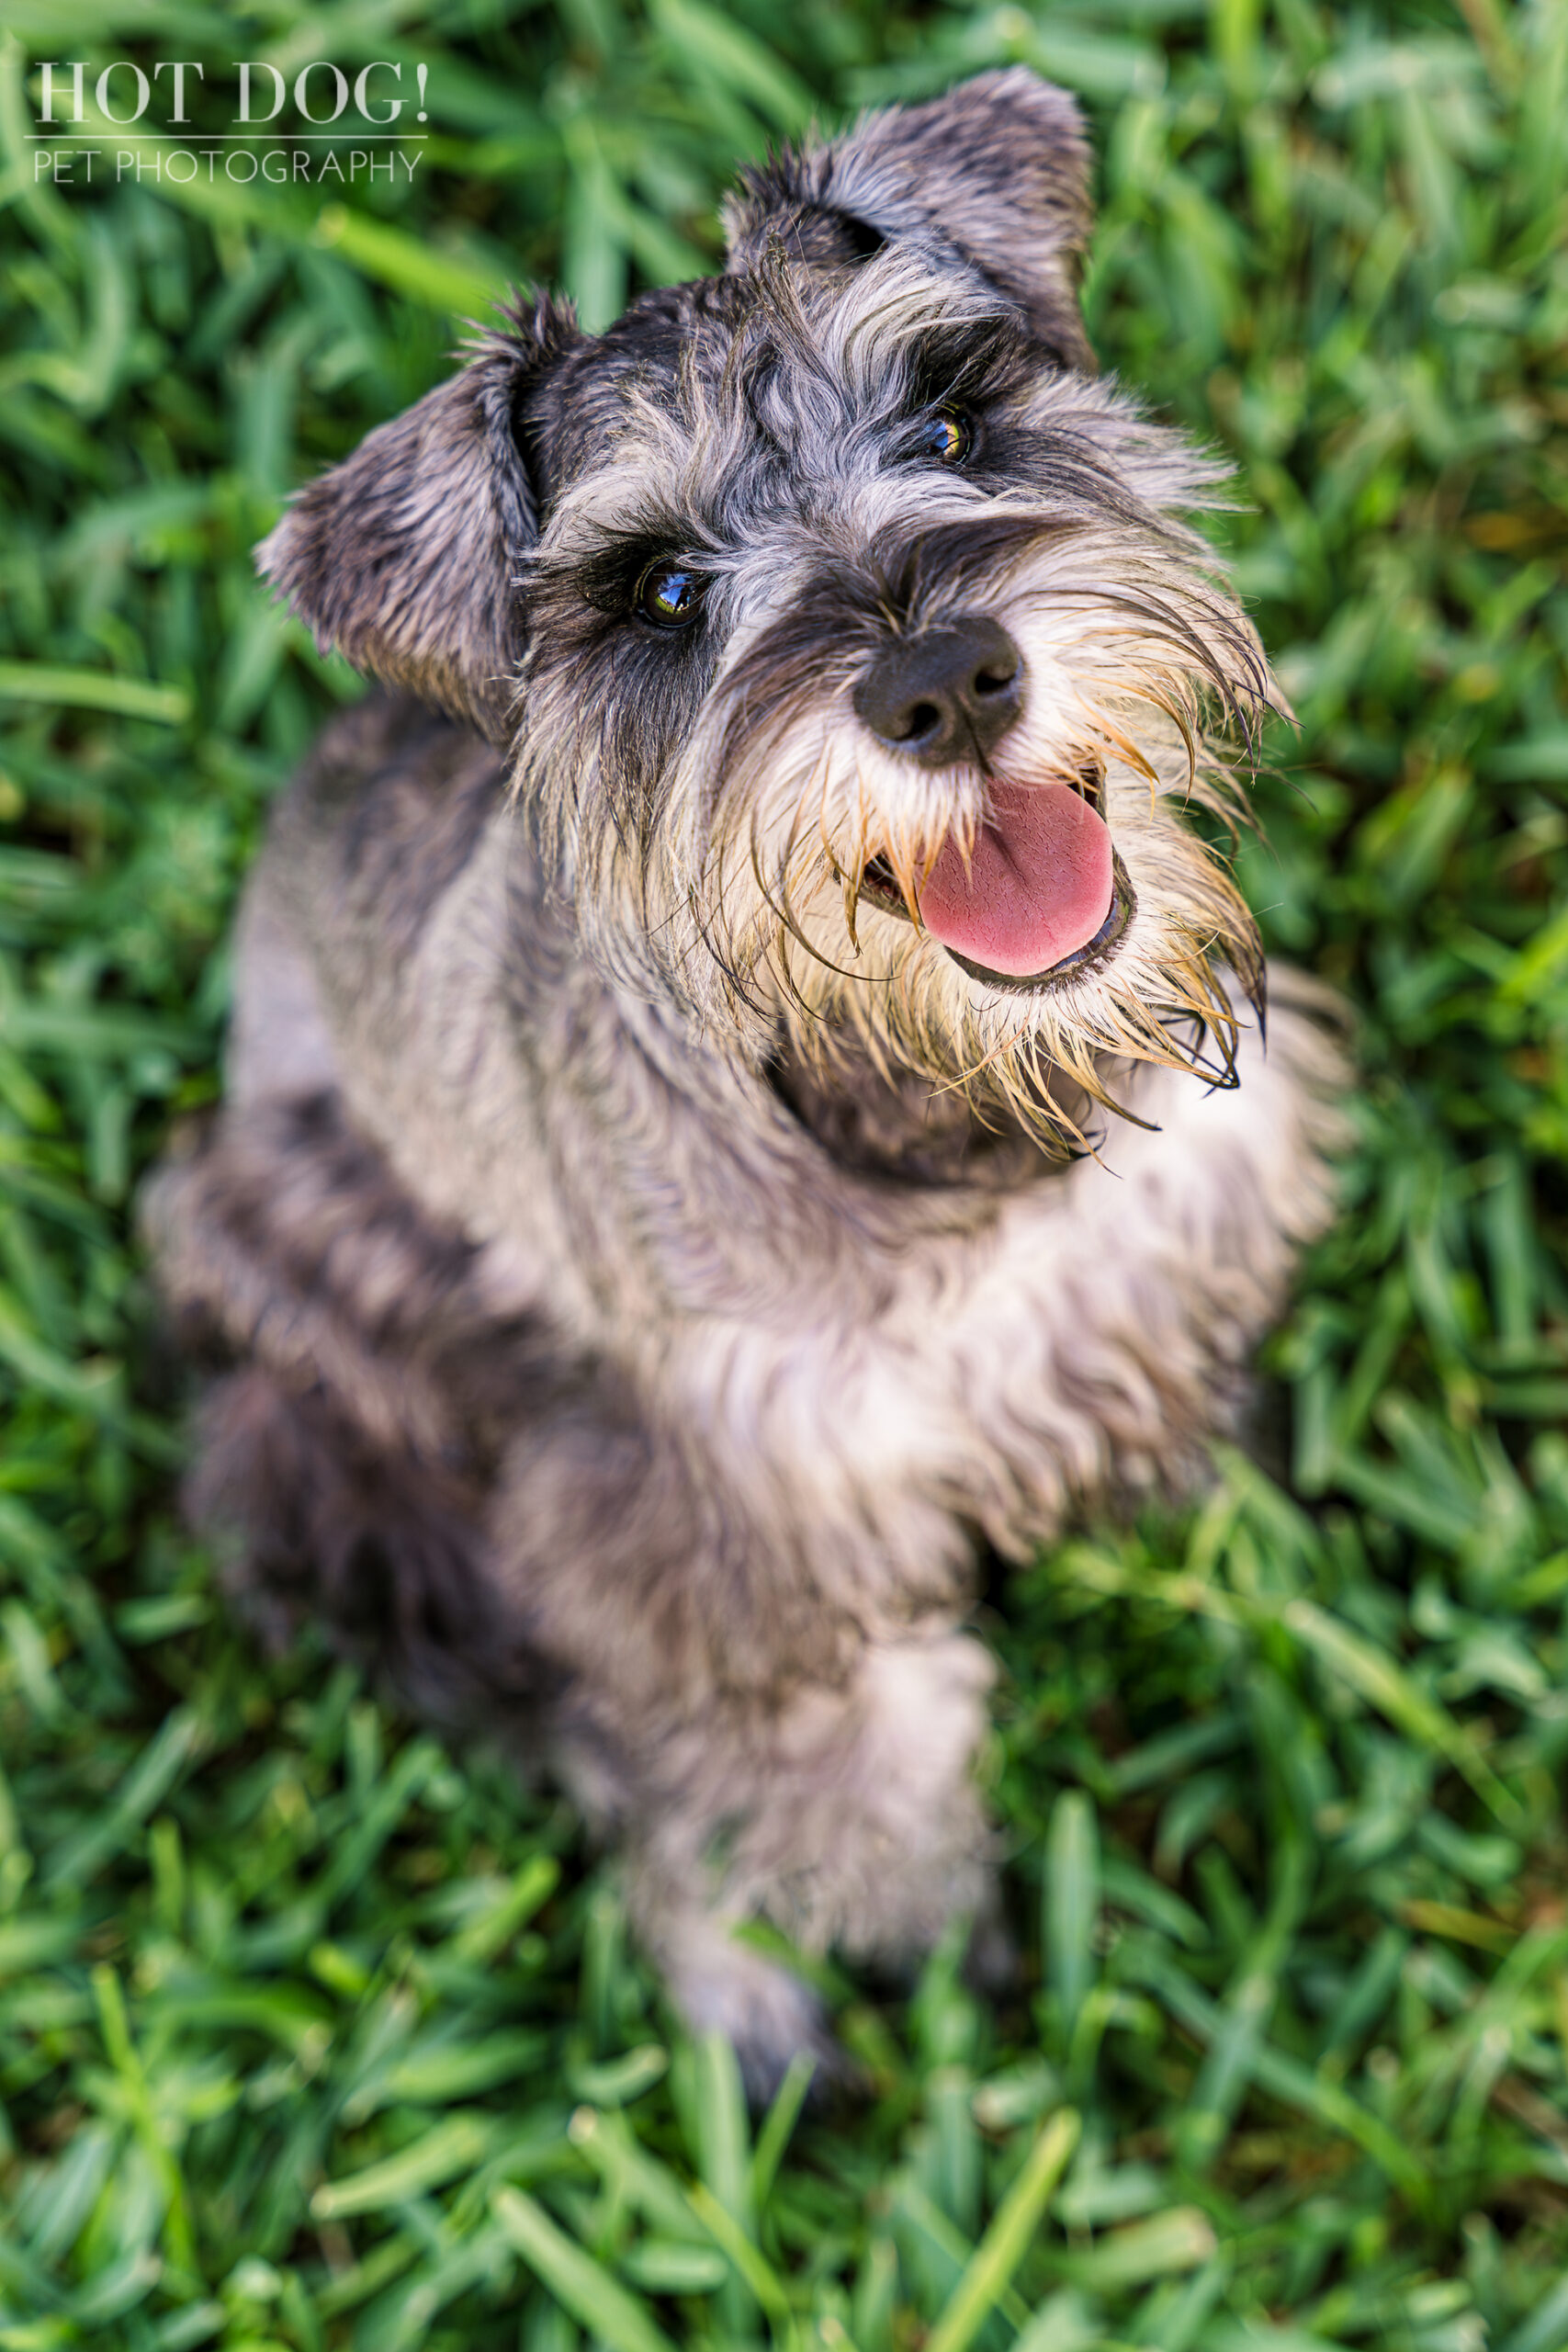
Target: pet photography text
column 286, row 131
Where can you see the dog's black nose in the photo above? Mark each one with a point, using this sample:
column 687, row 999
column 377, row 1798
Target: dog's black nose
column 949, row 693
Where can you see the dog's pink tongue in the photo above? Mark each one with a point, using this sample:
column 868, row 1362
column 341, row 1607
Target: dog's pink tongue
column 1038, row 887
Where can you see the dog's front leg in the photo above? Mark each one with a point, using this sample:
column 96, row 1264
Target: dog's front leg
column 841, row 1810
column 845, row 1816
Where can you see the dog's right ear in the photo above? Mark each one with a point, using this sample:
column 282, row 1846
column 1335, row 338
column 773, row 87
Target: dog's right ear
column 994, row 175
column 405, row 556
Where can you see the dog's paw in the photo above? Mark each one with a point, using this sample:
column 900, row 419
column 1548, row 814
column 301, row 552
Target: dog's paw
column 768, row 2014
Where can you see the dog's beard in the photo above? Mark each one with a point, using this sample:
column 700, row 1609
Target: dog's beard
column 764, row 895
column 794, row 936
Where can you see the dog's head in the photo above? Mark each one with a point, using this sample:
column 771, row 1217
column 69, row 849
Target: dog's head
column 843, row 625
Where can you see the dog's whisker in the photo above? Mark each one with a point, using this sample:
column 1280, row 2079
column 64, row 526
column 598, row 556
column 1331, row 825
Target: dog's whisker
column 851, row 883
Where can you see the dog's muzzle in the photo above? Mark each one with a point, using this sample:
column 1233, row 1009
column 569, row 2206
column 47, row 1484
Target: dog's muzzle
column 1038, row 891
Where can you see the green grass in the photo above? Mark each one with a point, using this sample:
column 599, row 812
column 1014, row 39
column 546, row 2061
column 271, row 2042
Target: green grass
column 312, row 2033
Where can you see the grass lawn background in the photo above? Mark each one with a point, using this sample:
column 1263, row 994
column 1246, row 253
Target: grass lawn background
column 315, row 2034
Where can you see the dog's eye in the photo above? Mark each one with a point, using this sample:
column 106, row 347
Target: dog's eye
column 946, row 434
column 670, row 595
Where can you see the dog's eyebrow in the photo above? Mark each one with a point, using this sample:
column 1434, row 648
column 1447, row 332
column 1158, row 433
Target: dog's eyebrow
column 605, row 576
column 964, row 358
column 603, row 563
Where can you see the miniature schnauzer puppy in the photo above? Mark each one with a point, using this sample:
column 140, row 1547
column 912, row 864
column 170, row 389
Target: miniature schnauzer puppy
column 742, row 1087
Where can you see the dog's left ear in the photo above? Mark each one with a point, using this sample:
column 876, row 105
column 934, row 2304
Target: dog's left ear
column 995, row 175
column 405, row 556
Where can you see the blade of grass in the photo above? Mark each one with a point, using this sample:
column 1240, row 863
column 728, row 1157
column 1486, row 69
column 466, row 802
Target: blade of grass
column 579, row 2284
column 93, row 690
column 1017, row 2219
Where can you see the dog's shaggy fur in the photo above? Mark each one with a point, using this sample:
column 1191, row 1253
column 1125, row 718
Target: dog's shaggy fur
column 638, row 1262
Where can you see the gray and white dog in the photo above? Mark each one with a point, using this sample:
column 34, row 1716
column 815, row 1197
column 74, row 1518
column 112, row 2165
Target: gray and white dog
column 741, row 1086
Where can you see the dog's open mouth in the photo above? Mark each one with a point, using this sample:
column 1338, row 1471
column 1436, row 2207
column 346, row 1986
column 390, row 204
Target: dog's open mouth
column 1041, row 893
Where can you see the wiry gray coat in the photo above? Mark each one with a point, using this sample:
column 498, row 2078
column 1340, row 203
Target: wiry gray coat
column 638, row 1263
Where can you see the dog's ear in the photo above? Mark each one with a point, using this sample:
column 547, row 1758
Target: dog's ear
column 995, row 175
column 405, row 556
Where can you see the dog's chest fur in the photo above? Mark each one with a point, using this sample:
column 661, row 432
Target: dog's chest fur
column 858, row 1364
